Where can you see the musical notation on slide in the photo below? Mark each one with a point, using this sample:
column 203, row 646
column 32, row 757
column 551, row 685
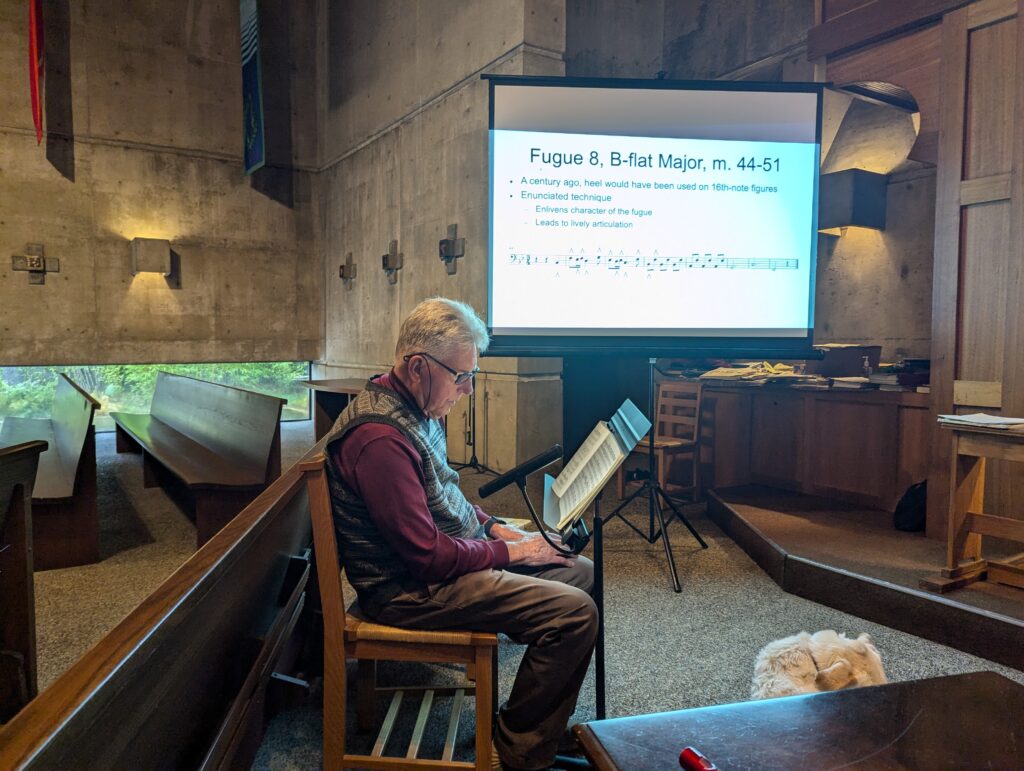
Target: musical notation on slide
column 653, row 262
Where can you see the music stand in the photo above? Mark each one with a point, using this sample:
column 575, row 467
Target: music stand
column 655, row 495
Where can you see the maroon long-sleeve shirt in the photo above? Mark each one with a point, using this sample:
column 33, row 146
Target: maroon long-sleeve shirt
column 384, row 469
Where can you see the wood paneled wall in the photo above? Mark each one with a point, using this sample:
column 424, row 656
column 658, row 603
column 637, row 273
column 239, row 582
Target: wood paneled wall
column 963, row 63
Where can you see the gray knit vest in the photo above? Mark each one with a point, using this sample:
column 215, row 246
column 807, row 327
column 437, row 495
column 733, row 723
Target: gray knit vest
column 373, row 568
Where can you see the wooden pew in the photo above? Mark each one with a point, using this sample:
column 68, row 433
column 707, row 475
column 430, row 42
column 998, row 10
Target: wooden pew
column 184, row 680
column 18, row 466
column 65, row 528
column 222, row 443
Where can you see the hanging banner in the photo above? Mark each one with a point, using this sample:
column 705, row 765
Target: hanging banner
column 254, row 148
column 35, row 63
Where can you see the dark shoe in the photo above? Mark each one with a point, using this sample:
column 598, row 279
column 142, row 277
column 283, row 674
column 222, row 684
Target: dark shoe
column 568, row 744
column 497, row 765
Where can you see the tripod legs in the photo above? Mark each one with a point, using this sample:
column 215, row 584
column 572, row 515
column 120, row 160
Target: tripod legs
column 655, row 506
column 656, row 500
column 679, row 515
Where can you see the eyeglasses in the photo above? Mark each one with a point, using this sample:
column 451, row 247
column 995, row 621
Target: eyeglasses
column 460, row 377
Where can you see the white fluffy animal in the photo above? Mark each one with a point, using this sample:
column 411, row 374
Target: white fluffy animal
column 809, row 663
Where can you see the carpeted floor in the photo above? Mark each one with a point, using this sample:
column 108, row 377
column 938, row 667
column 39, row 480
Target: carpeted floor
column 144, row 536
column 664, row 650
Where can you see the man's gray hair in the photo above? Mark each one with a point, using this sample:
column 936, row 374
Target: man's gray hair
column 439, row 326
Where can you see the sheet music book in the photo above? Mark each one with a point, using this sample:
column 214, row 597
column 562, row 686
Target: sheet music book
column 588, row 471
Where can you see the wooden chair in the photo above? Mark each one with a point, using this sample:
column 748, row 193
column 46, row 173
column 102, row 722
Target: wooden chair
column 345, row 635
column 676, row 435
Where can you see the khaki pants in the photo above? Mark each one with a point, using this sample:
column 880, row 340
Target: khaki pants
column 547, row 609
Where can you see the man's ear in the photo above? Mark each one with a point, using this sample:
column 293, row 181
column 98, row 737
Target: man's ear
column 415, row 367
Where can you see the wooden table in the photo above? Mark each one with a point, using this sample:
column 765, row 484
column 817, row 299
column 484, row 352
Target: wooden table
column 330, row 397
column 966, row 523
column 958, row 721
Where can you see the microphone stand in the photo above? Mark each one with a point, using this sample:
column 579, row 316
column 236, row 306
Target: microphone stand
column 473, row 462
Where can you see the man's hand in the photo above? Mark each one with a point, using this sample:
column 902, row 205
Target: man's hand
column 533, row 550
column 507, row 532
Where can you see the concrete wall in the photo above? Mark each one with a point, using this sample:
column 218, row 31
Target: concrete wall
column 376, row 120
column 403, row 149
column 875, row 286
column 404, row 143
column 697, row 39
column 871, row 286
column 144, row 139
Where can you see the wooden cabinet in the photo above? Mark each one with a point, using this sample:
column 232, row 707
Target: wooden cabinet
column 864, row 448
column 776, row 422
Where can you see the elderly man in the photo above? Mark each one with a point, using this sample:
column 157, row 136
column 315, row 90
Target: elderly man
column 420, row 555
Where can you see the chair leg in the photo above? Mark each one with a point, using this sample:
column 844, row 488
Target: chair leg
column 486, row 697
column 620, row 482
column 659, row 460
column 696, row 476
column 366, row 686
column 494, row 683
column 334, row 710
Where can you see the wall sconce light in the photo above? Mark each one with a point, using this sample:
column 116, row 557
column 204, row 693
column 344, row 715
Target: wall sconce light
column 154, row 255
column 851, row 198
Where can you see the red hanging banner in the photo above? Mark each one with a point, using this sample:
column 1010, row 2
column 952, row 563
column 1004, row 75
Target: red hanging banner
column 35, row 63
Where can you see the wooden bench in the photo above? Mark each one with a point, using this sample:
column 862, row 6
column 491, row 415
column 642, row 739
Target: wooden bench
column 222, row 443
column 189, row 677
column 18, row 466
column 65, row 528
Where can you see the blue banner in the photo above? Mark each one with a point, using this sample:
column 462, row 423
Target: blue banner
column 252, row 88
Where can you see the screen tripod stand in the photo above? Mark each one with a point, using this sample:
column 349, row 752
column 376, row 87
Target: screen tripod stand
column 473, row 461
column 656, row 497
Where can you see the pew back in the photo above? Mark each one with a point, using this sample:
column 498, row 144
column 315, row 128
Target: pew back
column 230, row 421
column 18, row 466
column 69, row 433
column 72, row 419
column 180, row 681
column 65, row 528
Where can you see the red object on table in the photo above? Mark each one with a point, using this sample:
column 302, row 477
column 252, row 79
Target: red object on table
column 693, row 759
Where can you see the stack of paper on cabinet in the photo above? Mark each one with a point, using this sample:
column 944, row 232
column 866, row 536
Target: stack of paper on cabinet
column 851, row 382
column 983, row 420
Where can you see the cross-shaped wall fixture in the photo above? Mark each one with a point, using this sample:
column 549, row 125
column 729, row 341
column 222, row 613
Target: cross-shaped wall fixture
column 451, row 248
column 392, row 262
column 35, row 263
column 347, row 272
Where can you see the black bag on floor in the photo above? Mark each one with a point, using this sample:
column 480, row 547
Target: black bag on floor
column 910, row 511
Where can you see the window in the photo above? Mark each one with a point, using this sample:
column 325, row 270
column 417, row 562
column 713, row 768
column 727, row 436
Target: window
column 28, row 391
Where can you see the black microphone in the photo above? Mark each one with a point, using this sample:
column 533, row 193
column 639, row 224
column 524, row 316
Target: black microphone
column 525, row 468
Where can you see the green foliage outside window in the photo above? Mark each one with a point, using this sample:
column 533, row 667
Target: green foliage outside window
column 28, row 391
